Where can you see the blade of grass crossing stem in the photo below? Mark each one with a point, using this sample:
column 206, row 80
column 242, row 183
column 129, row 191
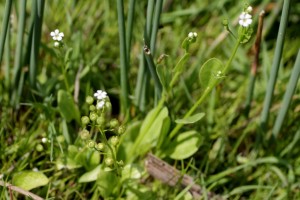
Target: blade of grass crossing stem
column 275, row 65
column 38, row 21
column 18, row 54
column 5, row 27
column 123, row 60
column 287, row 96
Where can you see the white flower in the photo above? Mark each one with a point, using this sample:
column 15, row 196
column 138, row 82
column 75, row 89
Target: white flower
column 100, row 104
column 35, row 169
column 44, row 140
column 56, row 35
column 245, row 19
column 249, row 9
column 192, row 35
column 100, row 95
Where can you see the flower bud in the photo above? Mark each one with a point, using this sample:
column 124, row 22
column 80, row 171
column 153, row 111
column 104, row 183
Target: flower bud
column 121, row 129
column 91, row 144
column 39, row 147
column 84, row 134
column 92, row 108
column 85, row 120
column 89, row 100
column 114, row 140
column 109, row 161
column 100, row 146
column 100, row 120
column 114, row 123
column 93, row 116
column 108, row 105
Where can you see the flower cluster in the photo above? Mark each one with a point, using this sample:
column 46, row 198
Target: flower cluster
column 245, row 18
column 99, row 118
column 192, row 36
column 57, row 37
column 101, row 96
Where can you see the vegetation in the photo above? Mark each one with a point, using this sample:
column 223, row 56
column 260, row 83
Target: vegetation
column 113, row 99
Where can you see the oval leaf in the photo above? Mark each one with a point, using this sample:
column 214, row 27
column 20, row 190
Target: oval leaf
column 29, row 180
column 67, row 107
column 91, row 175
column 185, row 145
column 209, row 71
column 190, row 120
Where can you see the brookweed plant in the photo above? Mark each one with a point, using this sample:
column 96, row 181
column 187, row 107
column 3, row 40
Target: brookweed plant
column 88, row 98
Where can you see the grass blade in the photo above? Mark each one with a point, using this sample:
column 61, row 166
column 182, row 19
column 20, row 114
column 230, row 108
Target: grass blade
column 287, row 96
column 5, row 26
column 123, row 59
column 275, row 65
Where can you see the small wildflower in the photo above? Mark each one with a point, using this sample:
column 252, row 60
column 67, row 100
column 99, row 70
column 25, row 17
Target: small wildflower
column 56, row 44
column 100, row 95
column 56, row 35
column 192, row 35
column 100, row 104
column 44, row 140
column 245, row 19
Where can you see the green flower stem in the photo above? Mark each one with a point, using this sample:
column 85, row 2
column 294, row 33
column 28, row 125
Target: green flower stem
column 206, row 91
column 113, row 153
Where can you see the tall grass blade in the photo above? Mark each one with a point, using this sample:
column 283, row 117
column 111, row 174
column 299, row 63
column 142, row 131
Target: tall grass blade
column 38, row 21
column 275, row 64
column 287, row 96
column 123, row 60
column 18, row 54
column 5, row 26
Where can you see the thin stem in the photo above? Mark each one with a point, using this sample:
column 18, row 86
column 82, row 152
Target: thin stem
column 123, row 60
column 206, row 92
column 276, row 63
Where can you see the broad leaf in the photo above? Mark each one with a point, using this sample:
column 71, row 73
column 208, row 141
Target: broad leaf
column 67, row 107
column 190, row 120
column 210, row 71
column 91, row 175
column 29, row 180
column 185, row 145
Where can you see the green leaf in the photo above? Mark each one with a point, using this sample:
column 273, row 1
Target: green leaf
column 29, row 180
column 185, row 145
column 150, row 130
column 67, row 107
column 190, row 120
column 209, row 71
column 245, row 34
column 91, row 175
